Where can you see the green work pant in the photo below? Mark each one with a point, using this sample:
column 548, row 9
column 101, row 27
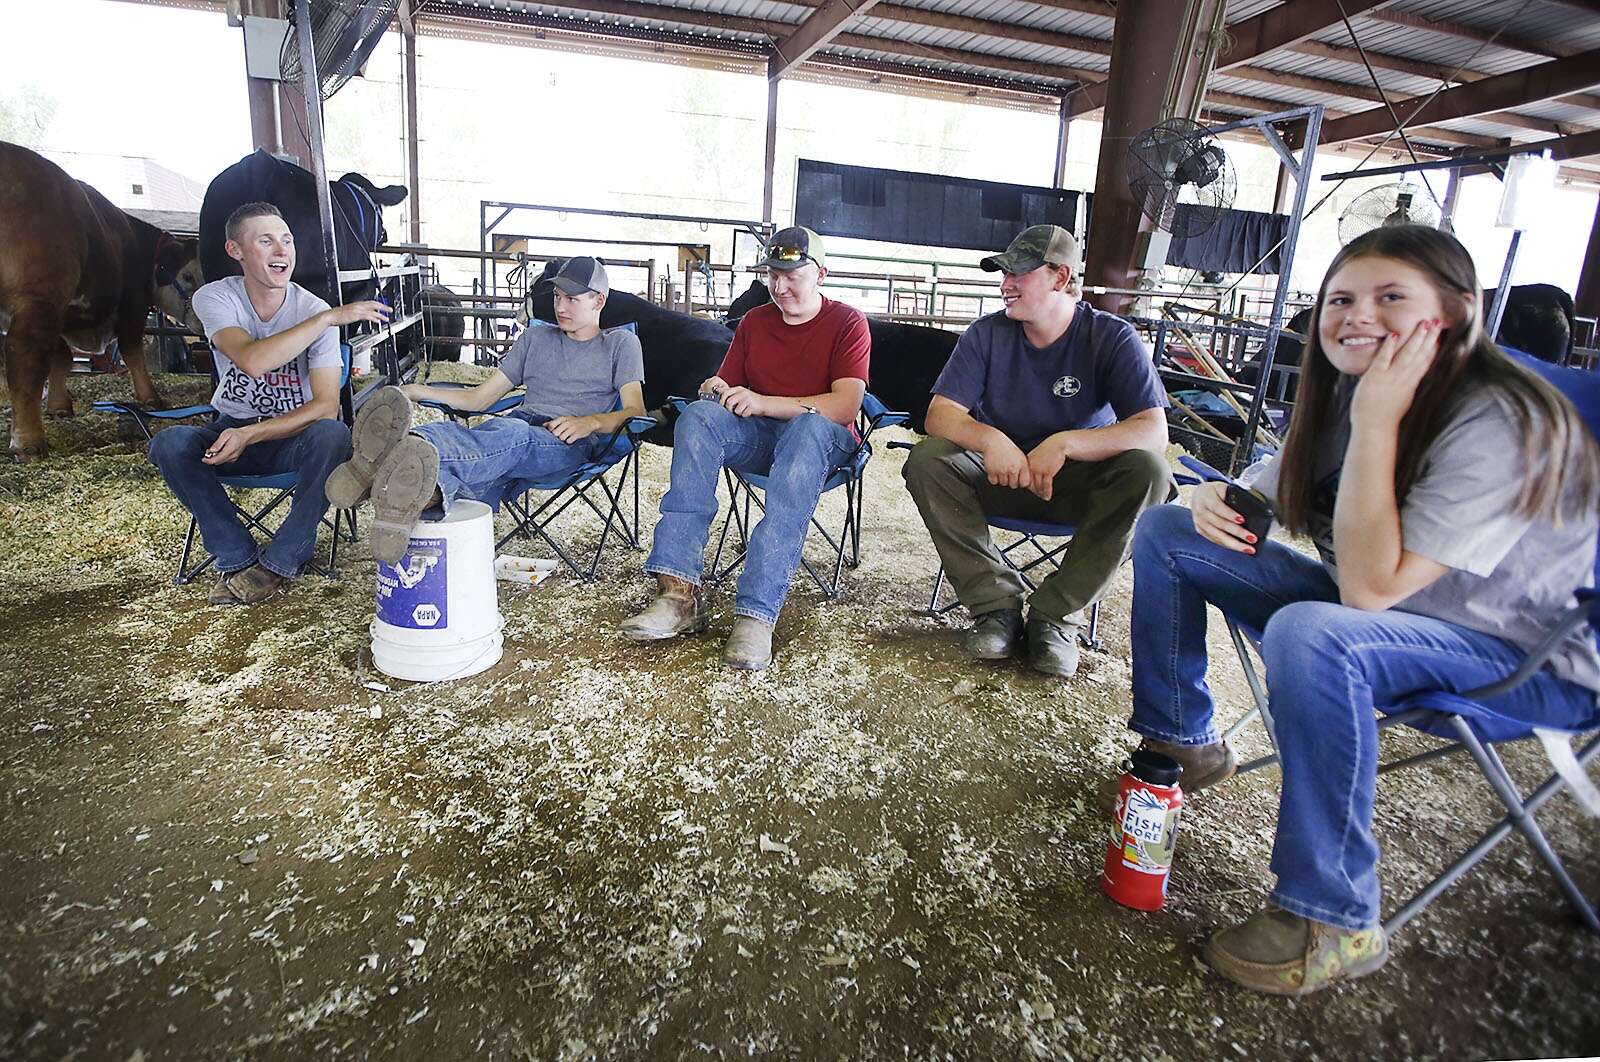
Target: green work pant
column 1101, row 499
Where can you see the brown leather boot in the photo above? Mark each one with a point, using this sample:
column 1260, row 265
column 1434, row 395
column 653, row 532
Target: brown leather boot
column 679, row 608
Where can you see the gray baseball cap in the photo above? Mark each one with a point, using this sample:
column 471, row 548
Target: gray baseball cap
column 581, row 274
column 1035, row 246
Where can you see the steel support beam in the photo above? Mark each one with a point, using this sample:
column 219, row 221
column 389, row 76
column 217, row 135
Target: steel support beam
column 772, row 150
column 1068, row 110
column 260, row 93
column 408, row 30
column 1499, row 93
column 1146, row 49
column 819, row 27
column 1495, row 38
column 1587, row 301
column 1286, row 24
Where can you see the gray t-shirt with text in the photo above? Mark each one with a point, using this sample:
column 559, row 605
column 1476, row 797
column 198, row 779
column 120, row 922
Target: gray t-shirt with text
column 566, row 377
column 224, row 304
column 1510, row 576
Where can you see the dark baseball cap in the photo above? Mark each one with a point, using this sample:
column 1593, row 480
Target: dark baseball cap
column 1035, row 246
column 792, row 247
column 581, row 274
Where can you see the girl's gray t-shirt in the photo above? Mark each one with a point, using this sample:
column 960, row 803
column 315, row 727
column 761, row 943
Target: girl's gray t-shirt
column 1510, row 576
column 224, row 304
column 566, row 377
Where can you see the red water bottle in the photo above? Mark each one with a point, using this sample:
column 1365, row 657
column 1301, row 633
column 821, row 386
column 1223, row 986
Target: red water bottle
column 1144, row 828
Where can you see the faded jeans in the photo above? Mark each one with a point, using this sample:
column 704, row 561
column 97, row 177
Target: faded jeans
column 797, row 455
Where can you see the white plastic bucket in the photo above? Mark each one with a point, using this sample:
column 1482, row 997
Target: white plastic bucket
column 437, row 615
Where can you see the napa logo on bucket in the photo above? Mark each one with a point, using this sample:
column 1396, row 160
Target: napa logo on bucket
column 415, row 592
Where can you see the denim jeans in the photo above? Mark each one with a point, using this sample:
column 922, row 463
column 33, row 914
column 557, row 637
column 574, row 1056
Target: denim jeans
column 797, row 455
column 1328, row 668
column 314, row 452
column 480, row 462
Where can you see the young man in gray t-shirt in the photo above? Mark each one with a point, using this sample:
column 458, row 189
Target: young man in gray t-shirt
column 582, row 385
column 276, row 350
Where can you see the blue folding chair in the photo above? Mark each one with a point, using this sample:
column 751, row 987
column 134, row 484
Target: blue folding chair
column 1029, row 533
column 1462, row 720
column 342, row 522
column 845, row 548
column 580, row 485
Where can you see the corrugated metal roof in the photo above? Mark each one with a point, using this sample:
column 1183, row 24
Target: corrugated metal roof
column 1565, row 27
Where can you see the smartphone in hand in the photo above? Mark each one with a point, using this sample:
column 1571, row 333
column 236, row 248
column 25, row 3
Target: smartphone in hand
column 1251, row 505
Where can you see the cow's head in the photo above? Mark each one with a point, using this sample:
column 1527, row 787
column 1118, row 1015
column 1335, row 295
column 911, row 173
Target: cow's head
column 177, row 277
column 374, row 233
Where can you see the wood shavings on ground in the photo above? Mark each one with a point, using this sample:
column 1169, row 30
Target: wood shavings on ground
column 603, row 849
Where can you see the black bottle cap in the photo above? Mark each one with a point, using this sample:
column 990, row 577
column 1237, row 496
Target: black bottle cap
column 1155, row 767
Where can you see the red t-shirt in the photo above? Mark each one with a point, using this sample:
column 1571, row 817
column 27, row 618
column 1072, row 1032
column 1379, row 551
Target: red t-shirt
column 796, row 361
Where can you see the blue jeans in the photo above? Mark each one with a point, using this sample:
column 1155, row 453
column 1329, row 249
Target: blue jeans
column 797, row 455
column 480, row 462
column 1328, row 668
column 313, row 453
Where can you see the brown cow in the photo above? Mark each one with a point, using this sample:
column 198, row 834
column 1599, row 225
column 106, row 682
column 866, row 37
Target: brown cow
column 76, row 272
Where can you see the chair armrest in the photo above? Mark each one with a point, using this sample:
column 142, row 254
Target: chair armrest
column 500, row 405
column 1586, row 613
column 640, row 425
column 1206, row 473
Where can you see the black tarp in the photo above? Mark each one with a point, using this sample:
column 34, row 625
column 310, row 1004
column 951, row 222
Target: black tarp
column 1242, row 241
column 923, row 209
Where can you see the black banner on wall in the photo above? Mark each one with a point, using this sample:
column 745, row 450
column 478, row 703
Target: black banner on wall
column 923, row 209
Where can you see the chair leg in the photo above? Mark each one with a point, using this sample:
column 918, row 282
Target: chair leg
column 184, row 575
column 1091, row 638
column 1499, row 832
column 1258, row 693
column 1490, row 763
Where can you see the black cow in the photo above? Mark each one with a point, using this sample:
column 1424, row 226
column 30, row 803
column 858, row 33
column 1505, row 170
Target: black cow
column 680, row 350
column 357, row 219
column 906, row 358
column 1537, row 321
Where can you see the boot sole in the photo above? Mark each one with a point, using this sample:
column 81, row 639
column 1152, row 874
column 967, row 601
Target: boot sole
column 400, row 491
column 381, row 424
column 639, row 635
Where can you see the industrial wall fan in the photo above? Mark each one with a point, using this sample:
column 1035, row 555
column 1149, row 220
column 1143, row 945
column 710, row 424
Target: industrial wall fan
column 1180, row 176
column 344, row 33
column 1389, row 204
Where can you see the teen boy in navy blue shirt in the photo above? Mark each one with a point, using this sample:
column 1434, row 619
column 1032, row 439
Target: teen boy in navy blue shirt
column 1049, row 411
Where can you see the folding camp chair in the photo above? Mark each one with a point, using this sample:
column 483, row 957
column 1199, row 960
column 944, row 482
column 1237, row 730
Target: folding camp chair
column 1029, row 533
column 1462, row 720
column 342, row 522
column 580, row 485
column 845, row 548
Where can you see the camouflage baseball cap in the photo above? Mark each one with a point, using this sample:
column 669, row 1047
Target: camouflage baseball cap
column 1033, row 247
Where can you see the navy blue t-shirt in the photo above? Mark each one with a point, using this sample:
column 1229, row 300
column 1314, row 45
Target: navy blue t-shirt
column 1096, row 374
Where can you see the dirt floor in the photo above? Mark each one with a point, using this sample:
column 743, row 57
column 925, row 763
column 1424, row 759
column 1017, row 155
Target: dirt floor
column 218, row 842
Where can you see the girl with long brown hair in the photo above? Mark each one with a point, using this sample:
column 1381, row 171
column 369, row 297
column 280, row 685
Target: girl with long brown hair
column 1451, row 495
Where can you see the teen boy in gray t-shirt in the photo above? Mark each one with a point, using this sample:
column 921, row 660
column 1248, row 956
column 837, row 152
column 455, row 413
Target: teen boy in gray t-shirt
column 582, row 385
